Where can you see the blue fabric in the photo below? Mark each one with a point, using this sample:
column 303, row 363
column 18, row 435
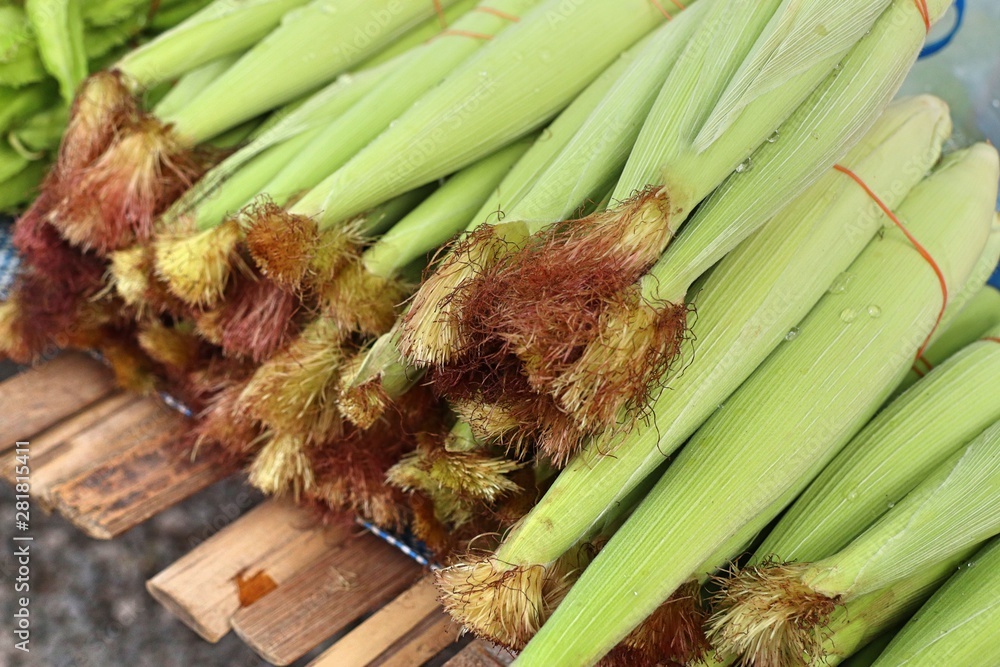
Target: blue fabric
column 933, row 47
column 8, row 261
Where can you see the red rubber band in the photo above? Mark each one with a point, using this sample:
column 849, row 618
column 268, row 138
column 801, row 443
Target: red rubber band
column 925, row 13
column 497, row 12
column 916, row 244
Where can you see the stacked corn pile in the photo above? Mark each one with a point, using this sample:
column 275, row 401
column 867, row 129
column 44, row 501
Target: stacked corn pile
column 480, row 269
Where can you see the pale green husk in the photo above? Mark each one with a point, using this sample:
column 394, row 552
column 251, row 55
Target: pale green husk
column 958, row 626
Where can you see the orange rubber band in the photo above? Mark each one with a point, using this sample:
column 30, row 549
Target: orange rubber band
column 439, row 10
column 916, row 244
column 497, row 12
column 925, row 13
column 991, row 338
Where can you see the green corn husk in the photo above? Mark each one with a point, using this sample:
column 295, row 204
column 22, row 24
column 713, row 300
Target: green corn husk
column 217, row 30
column 471, row 114
column 171, row 14
column 312, row 46
column 216, row 195
column 968, row 315
column 951, row 511
column 41, row 133
column 958, row 625
column 729, row 459
column 424, row 68
column 58, row 27
column 746, row 309
column 104, row 13
column 901, row 446
column 442, row 215
column 599, row 149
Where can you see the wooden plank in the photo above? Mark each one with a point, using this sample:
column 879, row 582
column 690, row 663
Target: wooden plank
column 125, row 490
column 432, row 636
column 384, row 628
column 42, row 397
column 111, row 432
column 43, row 445
column 339, row 587
column 480, row 654
column 268, row 545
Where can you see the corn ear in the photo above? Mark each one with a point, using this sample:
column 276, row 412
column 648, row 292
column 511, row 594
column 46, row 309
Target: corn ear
column 958, row 625
column 768, row 437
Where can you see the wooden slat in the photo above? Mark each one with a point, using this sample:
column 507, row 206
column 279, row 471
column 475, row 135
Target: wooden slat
column 111, row 432
column 339, row 587
column 42, row 397
column 480, row 654
column 384, row 628
column 139, row 482
column 434, row 633
column 45, row 446
column 271, row 543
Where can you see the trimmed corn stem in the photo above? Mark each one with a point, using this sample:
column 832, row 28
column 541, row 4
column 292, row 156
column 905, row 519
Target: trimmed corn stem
column 769, row 435
column 424, row 68
column 814, row 137
column 221, row 28
column 958, row 625
column 508, row 88
column 900, row 447
column 312, row 46
column 744, row 311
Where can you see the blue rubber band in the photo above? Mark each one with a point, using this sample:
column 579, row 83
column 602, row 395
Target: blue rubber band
column 933, row 47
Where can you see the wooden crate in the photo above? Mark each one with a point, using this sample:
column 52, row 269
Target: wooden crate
column 104, row 459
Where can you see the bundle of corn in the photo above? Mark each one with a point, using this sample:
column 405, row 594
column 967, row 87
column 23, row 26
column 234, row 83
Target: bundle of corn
column 194, row 278
column 746, row 308
column 788, row 419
